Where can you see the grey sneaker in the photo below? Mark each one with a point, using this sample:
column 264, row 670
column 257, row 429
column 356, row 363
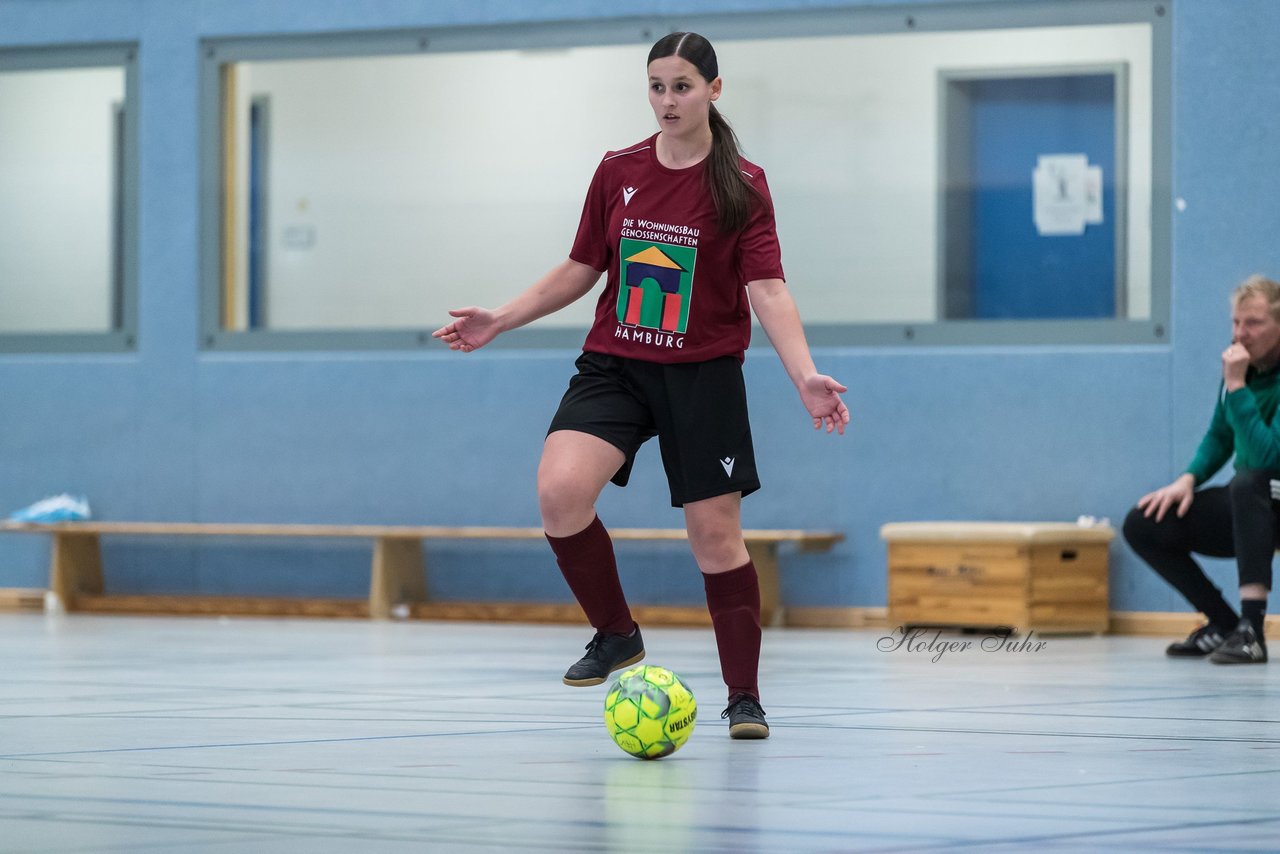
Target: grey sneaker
column 1243, row 646
column 1198, row 644
column 605, row 654
column 746, row 718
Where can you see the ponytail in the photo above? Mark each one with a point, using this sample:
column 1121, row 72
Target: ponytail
column 731, row 192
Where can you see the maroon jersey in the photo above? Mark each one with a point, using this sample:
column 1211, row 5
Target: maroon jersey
column 676, row 284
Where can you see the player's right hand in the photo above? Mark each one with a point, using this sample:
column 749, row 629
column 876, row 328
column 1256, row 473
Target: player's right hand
column 473, row 328
column 1178, row 494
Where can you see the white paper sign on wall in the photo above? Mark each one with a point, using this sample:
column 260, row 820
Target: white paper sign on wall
column 1066, row 194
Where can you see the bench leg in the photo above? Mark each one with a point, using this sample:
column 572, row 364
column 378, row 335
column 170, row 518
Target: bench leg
column 75, row 567
column 765, row 558
column 399, row 575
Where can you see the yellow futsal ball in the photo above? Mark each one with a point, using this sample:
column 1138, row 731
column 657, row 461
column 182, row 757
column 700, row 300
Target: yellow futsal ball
column 650, row 712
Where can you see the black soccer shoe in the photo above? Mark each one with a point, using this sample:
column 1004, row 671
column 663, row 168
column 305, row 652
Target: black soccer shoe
column 1198, row 644
column 746, row 718
column 605, row 654
column 1243, row 646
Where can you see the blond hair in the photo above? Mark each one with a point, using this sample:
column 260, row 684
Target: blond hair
column 1259, row 286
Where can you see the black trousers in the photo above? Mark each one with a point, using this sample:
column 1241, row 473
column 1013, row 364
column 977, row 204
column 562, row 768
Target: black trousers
column 1239, row 520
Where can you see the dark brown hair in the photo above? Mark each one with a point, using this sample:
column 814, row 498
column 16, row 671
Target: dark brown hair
column 732, row 194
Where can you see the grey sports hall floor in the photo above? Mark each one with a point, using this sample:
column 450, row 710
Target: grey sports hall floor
column 208, row 735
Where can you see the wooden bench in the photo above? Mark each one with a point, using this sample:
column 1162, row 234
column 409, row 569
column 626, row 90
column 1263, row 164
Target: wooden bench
column 398, row 579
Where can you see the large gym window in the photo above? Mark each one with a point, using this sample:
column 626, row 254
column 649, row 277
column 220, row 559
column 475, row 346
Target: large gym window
column 68, row 155
column 964, row 175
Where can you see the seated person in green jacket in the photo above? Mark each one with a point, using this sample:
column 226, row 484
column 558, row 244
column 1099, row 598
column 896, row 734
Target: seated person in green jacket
column 1239, row 520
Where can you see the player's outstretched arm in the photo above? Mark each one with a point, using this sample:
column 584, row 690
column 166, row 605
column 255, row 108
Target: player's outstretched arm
column 473, row 327
column 820, row 394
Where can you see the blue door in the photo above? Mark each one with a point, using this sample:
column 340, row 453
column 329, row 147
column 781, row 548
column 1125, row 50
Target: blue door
column 1015, row 271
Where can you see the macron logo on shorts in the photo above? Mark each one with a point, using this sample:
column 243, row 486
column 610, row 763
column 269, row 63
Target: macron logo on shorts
column 627, row 193
column 727, row 462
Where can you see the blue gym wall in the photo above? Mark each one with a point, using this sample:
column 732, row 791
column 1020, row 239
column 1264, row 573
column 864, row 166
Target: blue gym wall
column 1003, row 433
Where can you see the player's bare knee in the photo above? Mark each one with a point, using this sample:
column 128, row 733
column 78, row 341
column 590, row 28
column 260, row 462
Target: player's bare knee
column 563, row 501
column 717, row 549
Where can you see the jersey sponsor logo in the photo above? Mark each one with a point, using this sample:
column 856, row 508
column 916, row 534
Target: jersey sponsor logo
column 627, row 193
column 656, row 285
column 727, row 462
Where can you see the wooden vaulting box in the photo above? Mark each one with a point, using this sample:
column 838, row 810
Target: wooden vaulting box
column 1031, row 576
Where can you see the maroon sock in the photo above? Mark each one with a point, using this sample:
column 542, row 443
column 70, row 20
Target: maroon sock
column 733, row 598
column 587, row 563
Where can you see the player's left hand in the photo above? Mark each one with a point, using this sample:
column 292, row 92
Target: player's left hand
column 1235, row 362
column 821, row 396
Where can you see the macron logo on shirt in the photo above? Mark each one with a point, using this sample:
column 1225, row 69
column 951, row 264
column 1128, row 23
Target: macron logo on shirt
column 627, row 193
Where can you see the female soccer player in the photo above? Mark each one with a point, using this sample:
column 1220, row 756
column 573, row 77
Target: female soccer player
column 683, row 228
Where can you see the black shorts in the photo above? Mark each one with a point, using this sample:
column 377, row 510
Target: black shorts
column 698, row 411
